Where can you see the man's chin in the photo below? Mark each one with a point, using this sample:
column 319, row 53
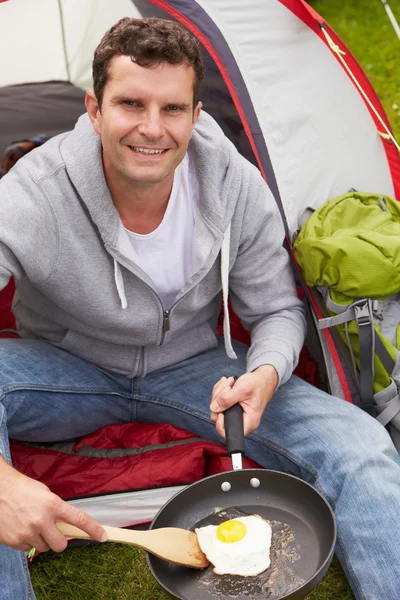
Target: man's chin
column 146, row 179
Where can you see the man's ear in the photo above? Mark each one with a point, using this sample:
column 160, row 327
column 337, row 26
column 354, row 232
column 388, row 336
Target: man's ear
column 93, row 110
column 196, row 112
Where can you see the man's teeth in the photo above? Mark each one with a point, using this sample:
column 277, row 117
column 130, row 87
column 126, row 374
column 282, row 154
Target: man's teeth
column 145, row 150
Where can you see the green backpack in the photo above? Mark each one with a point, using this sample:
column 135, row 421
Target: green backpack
column 349, row 249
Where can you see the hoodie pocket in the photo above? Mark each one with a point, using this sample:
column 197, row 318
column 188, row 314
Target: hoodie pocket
column 121, row 358
column 54, row 337
column 209, row 336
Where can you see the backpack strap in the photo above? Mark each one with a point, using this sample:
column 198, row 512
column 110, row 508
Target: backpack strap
column 303, row 217
column 383, row 354
column 348, row 313
column 366, row 337
column 364, row 312
column 361, row 312
column 387, row 403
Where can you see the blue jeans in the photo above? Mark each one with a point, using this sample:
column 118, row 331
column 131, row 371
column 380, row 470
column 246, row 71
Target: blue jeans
column 47, row 394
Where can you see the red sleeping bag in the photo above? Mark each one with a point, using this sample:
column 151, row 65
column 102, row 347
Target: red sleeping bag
column 167, row 456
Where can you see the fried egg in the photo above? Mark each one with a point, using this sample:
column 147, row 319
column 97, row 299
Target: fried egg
column 239, row 546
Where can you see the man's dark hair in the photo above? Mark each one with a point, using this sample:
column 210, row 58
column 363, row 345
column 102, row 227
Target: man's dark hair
column 149, row 42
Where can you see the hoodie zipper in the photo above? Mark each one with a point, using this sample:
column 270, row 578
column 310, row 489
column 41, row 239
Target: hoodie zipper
column 165, row 312
column 166, row 323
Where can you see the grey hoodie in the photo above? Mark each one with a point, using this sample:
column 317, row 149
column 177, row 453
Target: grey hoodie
column 80, row 288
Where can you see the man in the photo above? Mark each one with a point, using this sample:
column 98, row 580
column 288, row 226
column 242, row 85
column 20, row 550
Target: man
column 123, row 235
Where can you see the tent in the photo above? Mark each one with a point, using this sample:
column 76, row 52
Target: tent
column 279, row 81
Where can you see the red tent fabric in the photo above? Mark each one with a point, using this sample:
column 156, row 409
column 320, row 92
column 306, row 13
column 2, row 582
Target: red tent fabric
column 7, row 320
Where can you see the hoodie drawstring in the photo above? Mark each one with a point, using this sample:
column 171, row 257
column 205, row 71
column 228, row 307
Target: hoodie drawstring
column 225, row 291
column 119, row 282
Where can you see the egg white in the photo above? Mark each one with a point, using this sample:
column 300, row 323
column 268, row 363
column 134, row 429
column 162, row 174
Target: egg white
column 247, row 557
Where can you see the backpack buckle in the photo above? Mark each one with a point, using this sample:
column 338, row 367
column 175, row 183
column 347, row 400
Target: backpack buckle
column 362, row 312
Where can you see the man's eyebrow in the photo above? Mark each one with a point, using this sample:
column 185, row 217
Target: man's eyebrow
column 123, row 97
column 128, row 98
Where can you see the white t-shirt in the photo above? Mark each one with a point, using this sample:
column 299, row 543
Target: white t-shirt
column 165, row 254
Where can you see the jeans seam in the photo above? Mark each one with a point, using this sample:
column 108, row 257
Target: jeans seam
column 27, row 576
column 3, row 426
column 353, row 577
column 159, row 400
column 55, row 388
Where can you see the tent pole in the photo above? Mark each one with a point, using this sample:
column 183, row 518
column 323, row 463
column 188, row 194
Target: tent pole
column 392, row 18
column 64, row 42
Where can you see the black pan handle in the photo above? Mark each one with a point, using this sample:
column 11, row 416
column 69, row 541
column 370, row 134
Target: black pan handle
column 234, row 433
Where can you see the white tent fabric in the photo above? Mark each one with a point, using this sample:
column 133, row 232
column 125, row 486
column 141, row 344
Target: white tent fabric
column 127, row 508
column 321, row 138
column 30, row 34
column 55, row 39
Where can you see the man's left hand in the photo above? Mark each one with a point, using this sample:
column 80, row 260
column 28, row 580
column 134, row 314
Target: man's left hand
column 252, row 390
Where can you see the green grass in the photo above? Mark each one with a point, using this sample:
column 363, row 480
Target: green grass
column 365, row 28
column 103, row 572
column 117, row 572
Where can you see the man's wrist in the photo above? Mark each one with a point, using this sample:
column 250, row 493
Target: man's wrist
column 269, row 374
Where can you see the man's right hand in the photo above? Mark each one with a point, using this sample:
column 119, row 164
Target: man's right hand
column 29, row 511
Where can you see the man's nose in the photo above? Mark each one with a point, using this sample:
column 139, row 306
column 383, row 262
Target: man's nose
column 151, row 125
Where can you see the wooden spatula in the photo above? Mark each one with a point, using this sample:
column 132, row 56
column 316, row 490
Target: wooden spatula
column 170, row 543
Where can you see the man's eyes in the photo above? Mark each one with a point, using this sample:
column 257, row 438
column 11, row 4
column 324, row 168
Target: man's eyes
column 171, row 108
column 131, row 102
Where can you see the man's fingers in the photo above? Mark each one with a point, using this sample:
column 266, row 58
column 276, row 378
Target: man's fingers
column 220, row 425
column 219, row 383
column 55, row 539
column 79, row 518
column 223, row 383
column 213, row 417
column 36, row 542
column 252, row 393
column 251, row 422
column 221, row 396
column 39, row 543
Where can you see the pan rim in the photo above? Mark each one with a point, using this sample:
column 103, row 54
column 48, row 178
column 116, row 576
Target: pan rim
column 319, row 573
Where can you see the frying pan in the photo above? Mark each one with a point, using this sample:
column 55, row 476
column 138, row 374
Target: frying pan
column 303, row 529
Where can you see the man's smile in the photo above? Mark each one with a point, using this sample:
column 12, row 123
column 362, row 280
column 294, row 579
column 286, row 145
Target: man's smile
column 148, row 152
column 142, row 150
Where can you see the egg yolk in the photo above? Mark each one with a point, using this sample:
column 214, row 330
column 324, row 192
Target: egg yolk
column 231, row 531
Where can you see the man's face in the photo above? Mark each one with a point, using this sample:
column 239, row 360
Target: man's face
column 146, row 120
